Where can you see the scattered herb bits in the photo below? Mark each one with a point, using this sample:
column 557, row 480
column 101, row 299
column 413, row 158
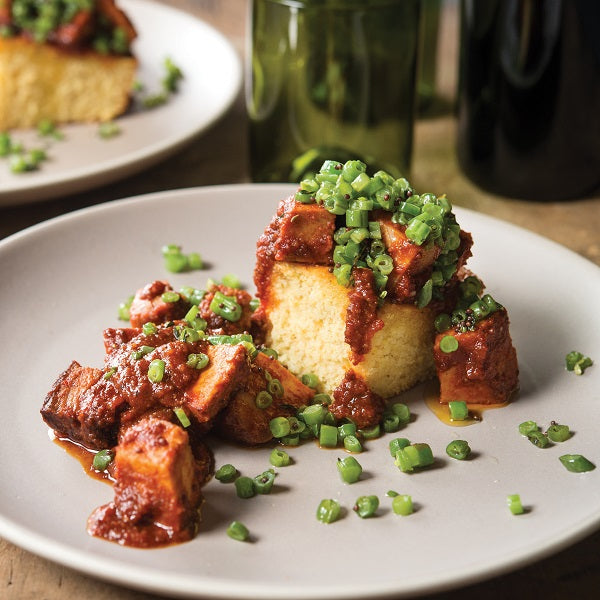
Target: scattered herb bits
column 244, row 487
column 279, row 458
column 102, row 459
column 577, row 362
column 414, row 456
column 514, row 504
column 263, row 483
column 226, row 474
column 459, row 411
column 402, row 505
column 238, row 531
column 576, row 463
column 527, row 427
column 366, row 506
column 328, row 511
column 458, row 449
column 558, row 433
column 539, row 439
column 349, row 469
column 175, row 261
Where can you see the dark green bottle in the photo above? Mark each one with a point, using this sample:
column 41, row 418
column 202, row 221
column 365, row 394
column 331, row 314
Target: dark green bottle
column 529, row 97
column 331, row 79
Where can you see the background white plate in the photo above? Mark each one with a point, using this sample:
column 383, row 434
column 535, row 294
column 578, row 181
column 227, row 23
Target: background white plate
column 83, row 160
column 61, row 284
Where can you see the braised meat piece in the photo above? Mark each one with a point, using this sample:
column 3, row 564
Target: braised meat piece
column 62, row 407
column 484, row 369
column 114, row 338
column 243, row 421
column 157, row 488
column 148, row 305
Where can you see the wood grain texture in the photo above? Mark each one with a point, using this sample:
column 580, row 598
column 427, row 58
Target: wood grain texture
column 220, row 156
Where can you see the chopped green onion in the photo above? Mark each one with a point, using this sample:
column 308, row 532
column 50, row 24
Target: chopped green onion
column 197, row 361
column 263, row 483
column 539, row 439
column 156, row 370
column 558, row 433
column 448, row 344
column 279, row 458
column 346, row 429
column 442, row 322
column 232, row 281
column 226, row 307
column 182, row 416
column 263, row 400
column 402, row 505
column 366, row 506
column 279, row 426
column 514, row 504
column 313, row 414
column 328, row 511
column 108, row 129
column 459, row 411
column 370, row 433
column 149, row 328
column 328, row 436
column 402, row 411
column 124, row 309
column 226, row 474
column 398, row 444
column 576, row 463
column 577, row 362
column 102, row 459
column 244, row 487
column 275, row 388
column 349, row 469
column 414, row 456
column 238, row 531
column 458, row 449
column 352, row 444
column 527, row 427
column 141, row 352
column 170, row 297
column 310, row 380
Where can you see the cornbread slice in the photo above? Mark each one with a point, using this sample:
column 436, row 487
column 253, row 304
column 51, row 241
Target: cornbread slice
column 42, row 81
column 306, row 315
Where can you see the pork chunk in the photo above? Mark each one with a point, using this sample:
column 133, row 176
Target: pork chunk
column 157, row 488
column 484, row 369
column 243, row 421
column 149, row 307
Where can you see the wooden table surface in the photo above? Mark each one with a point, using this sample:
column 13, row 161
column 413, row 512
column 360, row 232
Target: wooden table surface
column 220, row 156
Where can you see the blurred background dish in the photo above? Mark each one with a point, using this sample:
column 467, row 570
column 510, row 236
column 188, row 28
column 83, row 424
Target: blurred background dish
column 83, row 160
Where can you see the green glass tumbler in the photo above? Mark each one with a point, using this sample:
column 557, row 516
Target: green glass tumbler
column 331, row 79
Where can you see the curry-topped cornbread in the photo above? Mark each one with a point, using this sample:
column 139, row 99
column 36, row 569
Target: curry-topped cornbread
column 355, row 273
column 63, row 61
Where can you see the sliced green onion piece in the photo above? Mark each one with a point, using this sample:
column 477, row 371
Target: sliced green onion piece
column 366, row 506
column 402, row 411
column 226, row 474
column 156, row 370
column 576, row 463
column 448, row 344
column 169, row 297
column 346, row 429
column 109, row 373
column 279, row 426
column 310, row 380
column 558, row 433
column 349, row 469
column 539, row 439
column 442, row 322
column 232, row 281
column 370, row 433
column 514, row 504
column 390, row 422
column 197, row 361
column 226, row 307
column 459, row 411
column 458, row 449
column 149, row 328
column 527, row 427
column 313, row 414
column 352, row 444
column 275, row 388
column 263, row 400
column 263, row 483
column 328, row 511
column 328, row 436
column 238, row 531
column 123, row 311
column 244, row 487
column 398, row 444
column 279, row 458
column 182, row 416
column 102, row 459
column 175, row 262
column 402, row 505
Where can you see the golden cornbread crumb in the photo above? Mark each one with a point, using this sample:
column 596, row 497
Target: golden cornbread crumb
column 306, row 312
column 40, row 81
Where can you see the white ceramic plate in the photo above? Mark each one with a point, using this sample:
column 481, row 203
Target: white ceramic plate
column 83, row 160
column 61, row 284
